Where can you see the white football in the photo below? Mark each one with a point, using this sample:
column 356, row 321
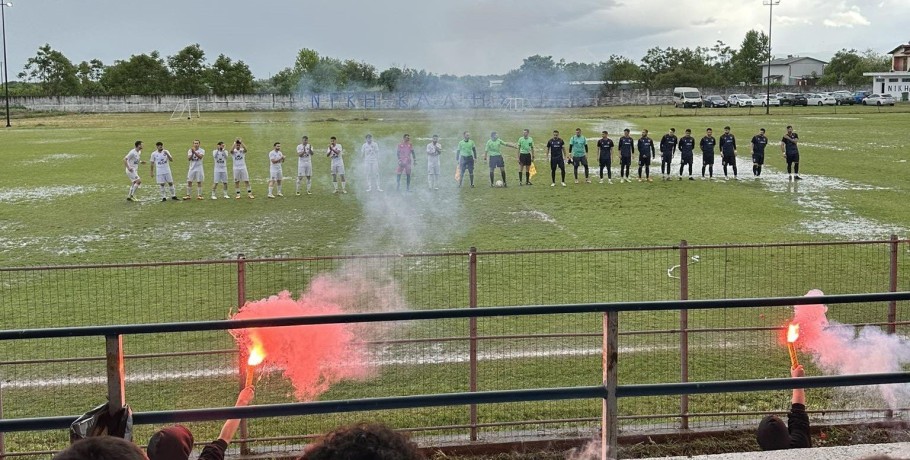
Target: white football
column 499, row 183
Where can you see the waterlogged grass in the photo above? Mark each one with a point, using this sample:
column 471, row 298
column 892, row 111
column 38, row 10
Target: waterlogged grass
column 62, row 202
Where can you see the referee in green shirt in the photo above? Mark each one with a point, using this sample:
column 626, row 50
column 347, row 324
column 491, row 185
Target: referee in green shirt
column 466, row 153
column 525, row 156
column 493, row 150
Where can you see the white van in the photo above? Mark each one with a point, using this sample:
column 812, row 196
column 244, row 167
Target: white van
column 687, row 97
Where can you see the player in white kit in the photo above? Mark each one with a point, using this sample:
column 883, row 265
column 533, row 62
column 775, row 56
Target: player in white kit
column 161, row 169
column 304, row 164
column 195, row 174
column 370, row 153
column 276, row 159
column 335, row 151
column 220, row 157
column 131, row 163
column 434, row 149
column 238, row 153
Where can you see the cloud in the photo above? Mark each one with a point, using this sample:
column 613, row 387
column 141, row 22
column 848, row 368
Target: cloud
column 790, row 20
column 846, row 17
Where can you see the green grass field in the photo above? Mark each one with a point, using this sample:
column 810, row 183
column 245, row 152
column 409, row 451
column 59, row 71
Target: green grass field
column 62, row 193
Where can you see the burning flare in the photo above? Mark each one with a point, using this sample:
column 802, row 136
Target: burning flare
column 792, row 335
column 257, row 355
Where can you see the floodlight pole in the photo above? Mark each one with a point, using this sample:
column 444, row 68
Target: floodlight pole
column 3, row 6
column 770, row 4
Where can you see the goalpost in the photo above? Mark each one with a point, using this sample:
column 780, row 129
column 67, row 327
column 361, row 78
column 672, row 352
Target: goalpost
column 186, row 107
column 514, row 104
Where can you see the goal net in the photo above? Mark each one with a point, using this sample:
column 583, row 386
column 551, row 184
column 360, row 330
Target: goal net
column 188, row 108
column 514, row 104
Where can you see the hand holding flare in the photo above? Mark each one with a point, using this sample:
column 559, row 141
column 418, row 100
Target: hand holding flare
column 792, row 335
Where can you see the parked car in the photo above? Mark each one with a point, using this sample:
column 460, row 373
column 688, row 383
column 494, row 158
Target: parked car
column 879, row 99
column 844, row 97
column 716, row 101
column 786, row 98
column 764, row 99
column 800, row 99
column 687, row 97
column 860, row 95
column 740, row 100
column 820, row 99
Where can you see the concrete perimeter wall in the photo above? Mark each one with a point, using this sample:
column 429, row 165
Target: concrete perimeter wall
column 366, row 100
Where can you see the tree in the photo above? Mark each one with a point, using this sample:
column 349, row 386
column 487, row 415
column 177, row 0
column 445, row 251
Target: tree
column 306, row 62
column 388, row 78
column 847, row 67
column 536, row 74
column 189, row 71
column 142, row 74
column 53, row 71
column 620, row 69
column 89, row 73
column 358, row 74
column 226, row 77
column 747, row 61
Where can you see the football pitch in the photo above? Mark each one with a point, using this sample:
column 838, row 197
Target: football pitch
column 62, row 201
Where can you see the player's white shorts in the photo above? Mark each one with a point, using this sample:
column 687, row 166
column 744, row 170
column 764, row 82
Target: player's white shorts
column 305, row 169
column 195, row 175
column 165, row 178
column 131, row 174
column 433, row 165
column 338, row 168
column 221, row 177
column 241, row 175
column 275, row 173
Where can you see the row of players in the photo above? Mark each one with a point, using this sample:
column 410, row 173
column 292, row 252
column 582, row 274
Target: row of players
column 466, row 155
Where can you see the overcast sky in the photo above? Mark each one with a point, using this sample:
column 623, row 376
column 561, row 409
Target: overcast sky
column 442, row 36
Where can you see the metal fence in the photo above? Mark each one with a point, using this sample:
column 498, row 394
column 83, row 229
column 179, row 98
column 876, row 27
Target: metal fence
column 198, row 369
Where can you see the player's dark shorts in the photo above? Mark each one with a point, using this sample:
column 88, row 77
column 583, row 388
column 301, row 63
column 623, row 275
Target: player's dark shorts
column 557, row 161
column 758, row 158
column 605, row 160
column 707, row 158
column 524, row 159
column 466, row 163
column 644, row 160
column 625, row 160
column 792, row 158
column 666, row 157
column 582, row 160
column 729, row 158
column 686, row 158
column 496, row 161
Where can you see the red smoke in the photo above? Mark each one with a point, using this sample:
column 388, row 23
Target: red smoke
column 812, row 322
column 312, row 357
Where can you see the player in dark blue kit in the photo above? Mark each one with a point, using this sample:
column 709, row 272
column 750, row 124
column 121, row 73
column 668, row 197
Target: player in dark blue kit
column 605, row 147
column 646, row 151
column 707, row 144
column 789, row 147
column 728, row 152
column 686, row 150
column 556, row 152
column 667, row 149
column 759, row 142
column 626, row 149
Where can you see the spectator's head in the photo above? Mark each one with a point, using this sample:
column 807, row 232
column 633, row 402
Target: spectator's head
column 102, row 448
column 171, row 443
column 772, row 434
column 367, row 441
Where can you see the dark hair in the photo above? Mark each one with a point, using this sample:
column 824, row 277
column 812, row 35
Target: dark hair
column 761, row 129
column 137, row 144
column 672, row 130
column 305, row 137
column 220, row 143
column 772, row 433
column 688, row 130
column 789, row 126
column 333, row 138
column 364, row 440
column 625, row 130
column 555, row 132
column 158, row 144
column 171, row 443
column 275, row 144
column 726, row 127
column 101, row 448
column 603, row 132
column 708, row 129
